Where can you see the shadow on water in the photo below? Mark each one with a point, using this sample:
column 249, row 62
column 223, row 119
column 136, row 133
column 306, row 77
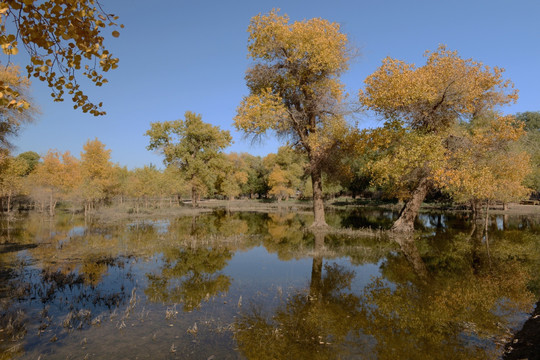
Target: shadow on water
column 259, row 285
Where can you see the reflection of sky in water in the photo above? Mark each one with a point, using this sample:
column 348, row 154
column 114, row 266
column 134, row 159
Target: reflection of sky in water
column 77, row 231
column 160, row 226
column 500, row 222
column 257, row 270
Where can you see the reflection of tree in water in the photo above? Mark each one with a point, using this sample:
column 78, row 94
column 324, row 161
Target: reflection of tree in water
column 315, row 323
column 311, row 324
column 438, row 302
column 285, row 235
column 189, row 276
column 436, row 299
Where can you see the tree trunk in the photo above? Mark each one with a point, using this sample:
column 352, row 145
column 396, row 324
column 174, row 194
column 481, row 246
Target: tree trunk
column 194, row 197
column 405, row 222
column 51, row 205
column 475, row 209
column 318, row 203
column 486, row 226
column 9, row 202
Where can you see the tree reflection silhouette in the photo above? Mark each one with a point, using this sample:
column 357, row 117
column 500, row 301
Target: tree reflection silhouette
column 190, row 275
column 311, row 324
column 427, row 304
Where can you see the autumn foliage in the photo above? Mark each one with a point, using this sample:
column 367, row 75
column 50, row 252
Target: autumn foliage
column 294, row 89
column 445, row 130
column 64, row 40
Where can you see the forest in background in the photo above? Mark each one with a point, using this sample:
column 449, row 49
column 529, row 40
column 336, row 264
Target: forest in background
column 83, row 183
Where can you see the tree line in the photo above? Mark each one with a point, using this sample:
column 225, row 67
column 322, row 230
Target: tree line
column 93, row 180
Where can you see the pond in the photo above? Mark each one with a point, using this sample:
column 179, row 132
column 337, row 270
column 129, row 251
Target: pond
column 248, row 285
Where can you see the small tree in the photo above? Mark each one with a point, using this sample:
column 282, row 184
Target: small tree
column 531, row 144
column 54, row 178
column 233, row 173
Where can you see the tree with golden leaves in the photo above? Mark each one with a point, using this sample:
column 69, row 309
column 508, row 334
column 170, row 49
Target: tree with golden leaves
column 12, row 173
column 426, row 103
column 142, row 185
column 16, row 107
column 295, row 89
column 54, row 178
column 279, row 184
column 233, row 174
column 97, row 173
column 485, row 162
column 64, row 40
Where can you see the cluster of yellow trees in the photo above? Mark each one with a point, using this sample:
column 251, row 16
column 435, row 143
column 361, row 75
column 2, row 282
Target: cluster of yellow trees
column 442, row 125
column 57, row 176
column 92, row 179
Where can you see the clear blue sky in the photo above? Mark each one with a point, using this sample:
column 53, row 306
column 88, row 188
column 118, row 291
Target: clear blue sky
column 192, row 55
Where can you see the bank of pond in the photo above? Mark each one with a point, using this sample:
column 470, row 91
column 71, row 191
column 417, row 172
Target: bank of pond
column 260, row 285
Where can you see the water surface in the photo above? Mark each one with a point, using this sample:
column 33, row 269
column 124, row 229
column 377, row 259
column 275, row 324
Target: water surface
column 260, row 286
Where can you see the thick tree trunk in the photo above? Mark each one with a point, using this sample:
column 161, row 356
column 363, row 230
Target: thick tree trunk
column 475, row 208
column 318, row 203
column 405, row 222
column 410, row 251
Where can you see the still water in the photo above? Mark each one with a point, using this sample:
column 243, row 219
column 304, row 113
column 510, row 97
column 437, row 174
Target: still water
column 260, row 286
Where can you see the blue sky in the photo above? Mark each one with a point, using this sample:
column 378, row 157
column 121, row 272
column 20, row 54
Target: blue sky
column 192, row 55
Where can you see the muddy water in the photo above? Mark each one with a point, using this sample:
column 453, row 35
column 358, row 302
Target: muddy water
column 259, row 286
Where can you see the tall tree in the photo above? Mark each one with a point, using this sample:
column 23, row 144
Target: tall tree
column 426, row 102
column 64, row 40
column 295, row 89
column 193, row 146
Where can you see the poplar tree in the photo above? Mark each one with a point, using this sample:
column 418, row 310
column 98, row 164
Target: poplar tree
column 295, row 91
